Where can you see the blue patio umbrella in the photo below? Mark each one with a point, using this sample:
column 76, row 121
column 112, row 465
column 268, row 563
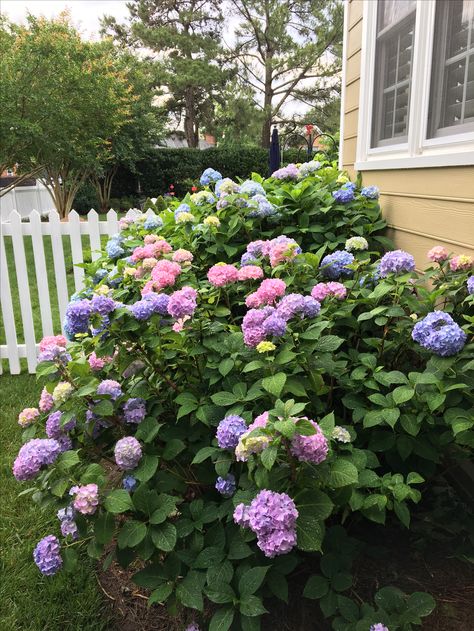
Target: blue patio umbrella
column 274, row 156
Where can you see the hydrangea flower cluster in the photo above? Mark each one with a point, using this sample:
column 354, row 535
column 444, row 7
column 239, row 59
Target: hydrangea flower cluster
column 252, row 444
column 103, row 305
column 272, row 517
column 212, row 220
column 341, row 434
column 28, row 416
column 261, row 207
column 47, row 555
column 222, row 274
column 52, row 340
column 34, row 455
column 251, row 188
column 77, row 317
column 438, row 333
column 250, row 272
column 370, row 192
column 396, row 262
column 152, row 221
column 86, row 498
column 438, row 254
column 333, row 288
column 182, row 256
column 62, row 392
column 343, row 195
column 226, row 485
column 461, row 263
column 56, row 354
column 209, row 176
column 203, row 197
column 270, row 289
column 114, row 247
column 46, row 401
column 134, row 410
column 229, row 430
column 150, row 304
column 182, row 303
column 379, row 627
column 129, row 483
column 334, row 265
column 68, row 525
column 53, row 425
column 128, row 453
column 313, row 449
column 97, row 363
column 470, row 285
column 111, row 388
column 356, row 244
column 290, row 172
column 308, row 168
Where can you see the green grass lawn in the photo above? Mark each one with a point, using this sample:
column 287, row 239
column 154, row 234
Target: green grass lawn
column 29, row 601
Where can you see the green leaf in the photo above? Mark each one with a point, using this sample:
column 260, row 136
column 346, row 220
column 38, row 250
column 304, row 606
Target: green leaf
column 150, row 577
column 314, row 503
column 226, row 366
column 131, row 534
column 268, row 456
column 328, row 344
column 204, row 454
column 402, row 394
column 251, row 580
column 342, row 474
column 103, row 408
column 118, row 501
column 224, row 399
column 222, row 619
column 173, row 447
column 68, row 459
column 316, row 587
column 221, row 594
column 419, row 605
column 164, row 536
column 310, row 533
column 189, row 590
column 104, row 528
column 166, row 506
column 252, row 606
column 161, row 594
column 275, row 383
column 402, row 512
column 147, row 468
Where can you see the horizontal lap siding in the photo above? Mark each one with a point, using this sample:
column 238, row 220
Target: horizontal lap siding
column 423, row 207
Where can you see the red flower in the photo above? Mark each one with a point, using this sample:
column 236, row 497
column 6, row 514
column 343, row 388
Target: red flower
column 309, row 129
column 171, row 186
column 194, row 189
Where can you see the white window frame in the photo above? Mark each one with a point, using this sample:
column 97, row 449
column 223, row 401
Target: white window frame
column 419, row 151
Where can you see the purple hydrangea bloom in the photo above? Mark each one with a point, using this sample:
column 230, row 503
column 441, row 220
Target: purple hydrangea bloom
column 134, row 410
column 334, row 265
column 77, row 316
column 312, row 448
column 102, row 304
column 142, row 309
column 274, row 325
column 68, row 525
column 370, row 192
column 226, row 485
column 159, row 302
column 379, row 626
column 128, row 453
column 33, row 455
column 438, row 333
column 311, row 307
column 47, row 555
column 396, row 262
column 229, row 430
column 261, row 207
column 54, row 354
column 272, row 517
column 343, row 195
column 182, row 302
column 290, row 172
column 110, row 387
column 129, row 483
column 53, row 425
column 248, row 259
column 290, row 306
column 254, row 248
column 252, row 325
column 193, row 627
column 470, row 285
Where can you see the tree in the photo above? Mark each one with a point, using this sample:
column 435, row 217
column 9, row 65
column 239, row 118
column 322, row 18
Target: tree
column 288, row 50
column 184, row 38
column 62, row 99
column 237, row 119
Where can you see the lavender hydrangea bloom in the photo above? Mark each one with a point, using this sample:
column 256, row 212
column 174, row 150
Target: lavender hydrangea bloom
column 290, row 306
column 311, row 307
column 129, row 483
column 370, row 192
column 54, row 354
column 159, row 302
column 272, row 517
column 312, row 448
column 102, row 304
column 209, row 175
column 290, row 172
column 438, row 333
column 134, row 410
column 47, row 555
column 110, row 387
column 251, row 188
column 470, row 285
column 334, row 265
column 226, row 485
column 33, row 455
column 229, row 430
column 261, row 207
column 68, row 525
column 53, row 425
column 343, row 195
column 77, row 316
column 396, row 262
column 248, row 259
column 182, row 302
column 128, row 453
column 142, row 310
column 379, row 627
column 86, row 498
column 274, row 325
column 193, row 627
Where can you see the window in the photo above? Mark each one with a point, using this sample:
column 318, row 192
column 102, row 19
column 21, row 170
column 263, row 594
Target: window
column 394, row 49
column 452, row 79
column 416, row 100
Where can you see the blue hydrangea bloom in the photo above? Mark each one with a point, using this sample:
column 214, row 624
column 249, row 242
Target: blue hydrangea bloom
column 142, row 309
column 343, row 195
column 152, row 222
column 226, row 485
column 370, row 192
column 274, row 325
column 159, row 302
column 102, row 304
column 47, row 555
column 134, row 410
column 438, row 333
column 100, row 274
column 209, row 175
column 182, row 208
column 261, row 207
column 248, row 259
column 251, row 188
column 470, row 285
column 334, row 265
column 114, row 247
column 129, row 483
column 396, row 262
column 77, row 317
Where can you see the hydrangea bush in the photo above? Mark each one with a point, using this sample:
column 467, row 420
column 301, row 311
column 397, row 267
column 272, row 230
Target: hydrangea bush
column 235, row 385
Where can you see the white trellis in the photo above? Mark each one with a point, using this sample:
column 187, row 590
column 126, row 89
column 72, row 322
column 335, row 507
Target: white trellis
column 17, row 229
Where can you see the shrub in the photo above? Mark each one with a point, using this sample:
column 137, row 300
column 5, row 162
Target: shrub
column 218, row 422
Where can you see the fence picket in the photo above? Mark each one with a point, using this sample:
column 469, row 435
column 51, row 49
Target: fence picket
column 74, row 225
column 94, row 233
column 112, row 223
column 11, row 346
column 59, row 263
column 41, row 273
column 23, row 290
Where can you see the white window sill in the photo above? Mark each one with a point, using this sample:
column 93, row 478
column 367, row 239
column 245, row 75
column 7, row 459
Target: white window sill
column 460, row 158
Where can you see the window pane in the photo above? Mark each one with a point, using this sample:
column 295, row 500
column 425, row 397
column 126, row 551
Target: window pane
column 394, row 54
column 452, row 76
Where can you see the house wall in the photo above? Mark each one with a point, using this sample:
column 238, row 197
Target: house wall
column 423, row 206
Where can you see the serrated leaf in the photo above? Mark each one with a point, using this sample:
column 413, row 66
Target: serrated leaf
column 222, row 619
column 275, row 383
column 131, row 534
column 164, row 536
column 118, row 501
column 251, row 580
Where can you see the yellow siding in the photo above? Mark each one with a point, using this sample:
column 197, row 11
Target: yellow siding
column 423, row 207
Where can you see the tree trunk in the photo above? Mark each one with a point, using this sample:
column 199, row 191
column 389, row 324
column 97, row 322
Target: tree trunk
column 63, row 187
column 103, row 187
column 191, row 128
column 267, row 103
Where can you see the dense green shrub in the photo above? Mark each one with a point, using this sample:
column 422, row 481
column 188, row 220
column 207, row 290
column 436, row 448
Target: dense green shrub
column 351, row 416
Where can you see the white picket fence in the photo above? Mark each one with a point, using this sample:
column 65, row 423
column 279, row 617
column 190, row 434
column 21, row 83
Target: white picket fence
column 17, row 229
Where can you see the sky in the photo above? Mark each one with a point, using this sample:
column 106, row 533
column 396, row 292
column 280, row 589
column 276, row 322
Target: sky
column 85, row 14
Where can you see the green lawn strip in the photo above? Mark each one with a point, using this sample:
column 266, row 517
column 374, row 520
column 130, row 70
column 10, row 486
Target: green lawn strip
column 29, row 601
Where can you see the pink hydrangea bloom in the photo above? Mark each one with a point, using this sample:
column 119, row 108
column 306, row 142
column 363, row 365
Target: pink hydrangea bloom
column 52, row 340
column 86, row 498
column 323, row 290
column 182, row 303
column 222, row 274
column 165, row 267
column 28, row 416
column 250, row 272
column 150, row 238
column 461, row 262
column 282, row 252
column 97, row 363
column 438, row 254
column 312, row 448
column 182, row 256
column 46, row 401
column 253, row 301
column 320, row 291
column 271, row 289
